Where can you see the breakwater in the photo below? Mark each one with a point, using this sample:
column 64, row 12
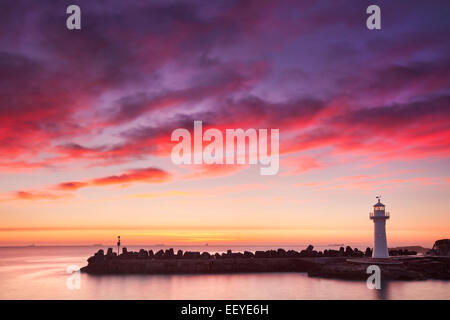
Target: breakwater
column 345, row 263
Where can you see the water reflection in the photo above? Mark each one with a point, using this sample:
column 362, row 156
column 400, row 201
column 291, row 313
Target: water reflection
column 383, row 293
column 41, row 274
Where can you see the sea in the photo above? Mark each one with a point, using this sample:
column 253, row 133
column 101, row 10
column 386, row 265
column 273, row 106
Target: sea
column 45, row 272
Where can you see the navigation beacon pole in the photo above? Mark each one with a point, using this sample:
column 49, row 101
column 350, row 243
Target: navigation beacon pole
column 379, row 217
column 118, row 245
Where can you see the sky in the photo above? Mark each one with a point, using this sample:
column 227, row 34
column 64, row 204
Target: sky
column 86, row 118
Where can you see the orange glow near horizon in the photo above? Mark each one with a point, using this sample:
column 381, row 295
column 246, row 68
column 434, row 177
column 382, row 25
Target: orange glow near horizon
column 209, row 235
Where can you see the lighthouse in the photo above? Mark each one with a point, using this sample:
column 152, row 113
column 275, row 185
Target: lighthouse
column 379, row 217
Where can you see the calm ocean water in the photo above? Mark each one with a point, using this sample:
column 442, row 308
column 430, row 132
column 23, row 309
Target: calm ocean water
column 40, row 273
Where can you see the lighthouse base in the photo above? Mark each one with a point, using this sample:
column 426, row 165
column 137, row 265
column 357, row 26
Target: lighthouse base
column 380, row 255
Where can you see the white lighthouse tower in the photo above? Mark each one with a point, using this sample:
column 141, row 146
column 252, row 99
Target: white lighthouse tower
column 379, row 217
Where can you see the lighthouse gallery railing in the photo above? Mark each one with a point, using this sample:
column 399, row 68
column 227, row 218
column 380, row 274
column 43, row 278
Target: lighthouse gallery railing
column 385, row 216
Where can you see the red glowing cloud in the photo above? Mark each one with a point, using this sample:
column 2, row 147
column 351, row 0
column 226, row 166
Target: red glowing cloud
column 62, row 190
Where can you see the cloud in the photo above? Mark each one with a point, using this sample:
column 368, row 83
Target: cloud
column 37, row 195
column 65, row 189
column 371, row 182
column 300, row 164
column 213, row 170
column 114, row 91
column 71, row 185
column 146, row 175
